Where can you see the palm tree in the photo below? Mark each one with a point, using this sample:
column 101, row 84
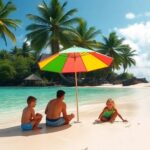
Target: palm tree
column 112, row 46
column 24, row 51
column 15, row 51
column 7, row 23
column 48, row 28
column 83, row 36
column 122, row 53
column 127, row 57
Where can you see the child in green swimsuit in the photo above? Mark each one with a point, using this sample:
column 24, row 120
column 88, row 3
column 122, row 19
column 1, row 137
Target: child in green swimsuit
column 109, row 113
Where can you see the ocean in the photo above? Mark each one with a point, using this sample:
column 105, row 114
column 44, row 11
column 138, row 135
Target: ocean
column 13, row 99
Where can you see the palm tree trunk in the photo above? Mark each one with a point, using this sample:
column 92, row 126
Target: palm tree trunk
column 55, row 46
column 124, row 69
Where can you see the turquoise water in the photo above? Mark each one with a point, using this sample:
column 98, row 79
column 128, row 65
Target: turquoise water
column 14, row 98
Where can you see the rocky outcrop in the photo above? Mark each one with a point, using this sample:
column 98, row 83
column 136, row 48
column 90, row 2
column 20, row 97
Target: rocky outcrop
column 134, row 81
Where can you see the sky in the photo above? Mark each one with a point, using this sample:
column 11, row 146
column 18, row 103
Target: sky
column 129, row 18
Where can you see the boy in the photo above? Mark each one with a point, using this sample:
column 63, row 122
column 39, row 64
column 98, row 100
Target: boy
column 30, row 120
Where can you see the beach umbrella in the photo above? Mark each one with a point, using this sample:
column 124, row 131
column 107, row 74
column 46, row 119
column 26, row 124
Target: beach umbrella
column 74, row 60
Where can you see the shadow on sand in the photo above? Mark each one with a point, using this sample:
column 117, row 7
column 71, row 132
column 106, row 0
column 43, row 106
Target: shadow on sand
column 16, row 131
column 106, row 122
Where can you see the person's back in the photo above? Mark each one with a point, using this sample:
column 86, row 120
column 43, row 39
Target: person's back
column 55, row 108
column 26, row 115
column 30, row 120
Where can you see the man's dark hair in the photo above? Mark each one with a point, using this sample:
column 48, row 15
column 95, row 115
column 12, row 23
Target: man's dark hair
column 30, row 99
column 60, row 93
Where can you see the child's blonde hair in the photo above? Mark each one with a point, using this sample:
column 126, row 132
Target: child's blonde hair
column 110, row 100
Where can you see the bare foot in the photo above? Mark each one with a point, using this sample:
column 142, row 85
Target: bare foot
column 98, row 121
column 125, row 120
column 111, row 121
column 37, row 128
column 72, row 115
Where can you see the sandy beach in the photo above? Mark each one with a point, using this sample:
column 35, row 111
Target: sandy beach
column 86, row 135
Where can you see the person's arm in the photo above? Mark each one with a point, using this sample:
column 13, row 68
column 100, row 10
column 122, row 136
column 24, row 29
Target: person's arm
column 33, row 116
column 102, row 113
column 121, row 117
column 64, row 112
column 46, row 109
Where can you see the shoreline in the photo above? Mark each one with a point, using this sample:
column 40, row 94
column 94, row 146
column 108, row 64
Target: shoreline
column 84, row 107
column 139, row 85
column 8, row 121
column 79, row 136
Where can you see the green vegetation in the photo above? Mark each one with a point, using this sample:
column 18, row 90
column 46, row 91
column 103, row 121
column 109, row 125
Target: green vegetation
column 58, row 29
column 123, row 54
column 7, row 72
column 83, row 36
column 48, row 29
column 7, row 23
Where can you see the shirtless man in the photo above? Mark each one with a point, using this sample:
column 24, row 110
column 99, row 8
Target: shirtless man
column 54, row 109
column 30, row 120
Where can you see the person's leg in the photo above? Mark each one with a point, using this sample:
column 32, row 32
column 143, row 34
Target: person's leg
column 70, row 117
column 103, row 119
column 37, row 121
column 33, row 122
column 112, row 119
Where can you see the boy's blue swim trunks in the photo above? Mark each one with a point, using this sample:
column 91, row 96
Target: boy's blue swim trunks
column 26, row 127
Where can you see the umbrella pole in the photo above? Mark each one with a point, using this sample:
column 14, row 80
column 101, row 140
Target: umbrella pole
column 77, row 105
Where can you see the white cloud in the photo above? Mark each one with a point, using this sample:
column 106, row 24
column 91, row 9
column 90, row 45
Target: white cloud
column 138, row 37
column 147, row 14
column 130, row 15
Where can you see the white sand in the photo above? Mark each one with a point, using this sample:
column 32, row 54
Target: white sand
column 133, row 135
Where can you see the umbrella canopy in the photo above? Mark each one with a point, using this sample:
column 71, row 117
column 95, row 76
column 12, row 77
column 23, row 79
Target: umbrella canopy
column 74, row 60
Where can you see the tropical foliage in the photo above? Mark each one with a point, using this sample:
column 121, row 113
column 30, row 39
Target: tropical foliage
column 56, row 28
column 128, row 57
column 14, row 66
column 48, row 29
column 83, row 36
column 7, row 23
column 122, row 54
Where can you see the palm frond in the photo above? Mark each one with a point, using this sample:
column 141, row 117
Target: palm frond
column 7, row 9
column 67, row 15
column 9, row 34
column 38, row 19
column 35, row 27
column 70, row 22
column 94, row 34
column 1, row 4
column 3, row 37
column 11, row 23
column 44, row 10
